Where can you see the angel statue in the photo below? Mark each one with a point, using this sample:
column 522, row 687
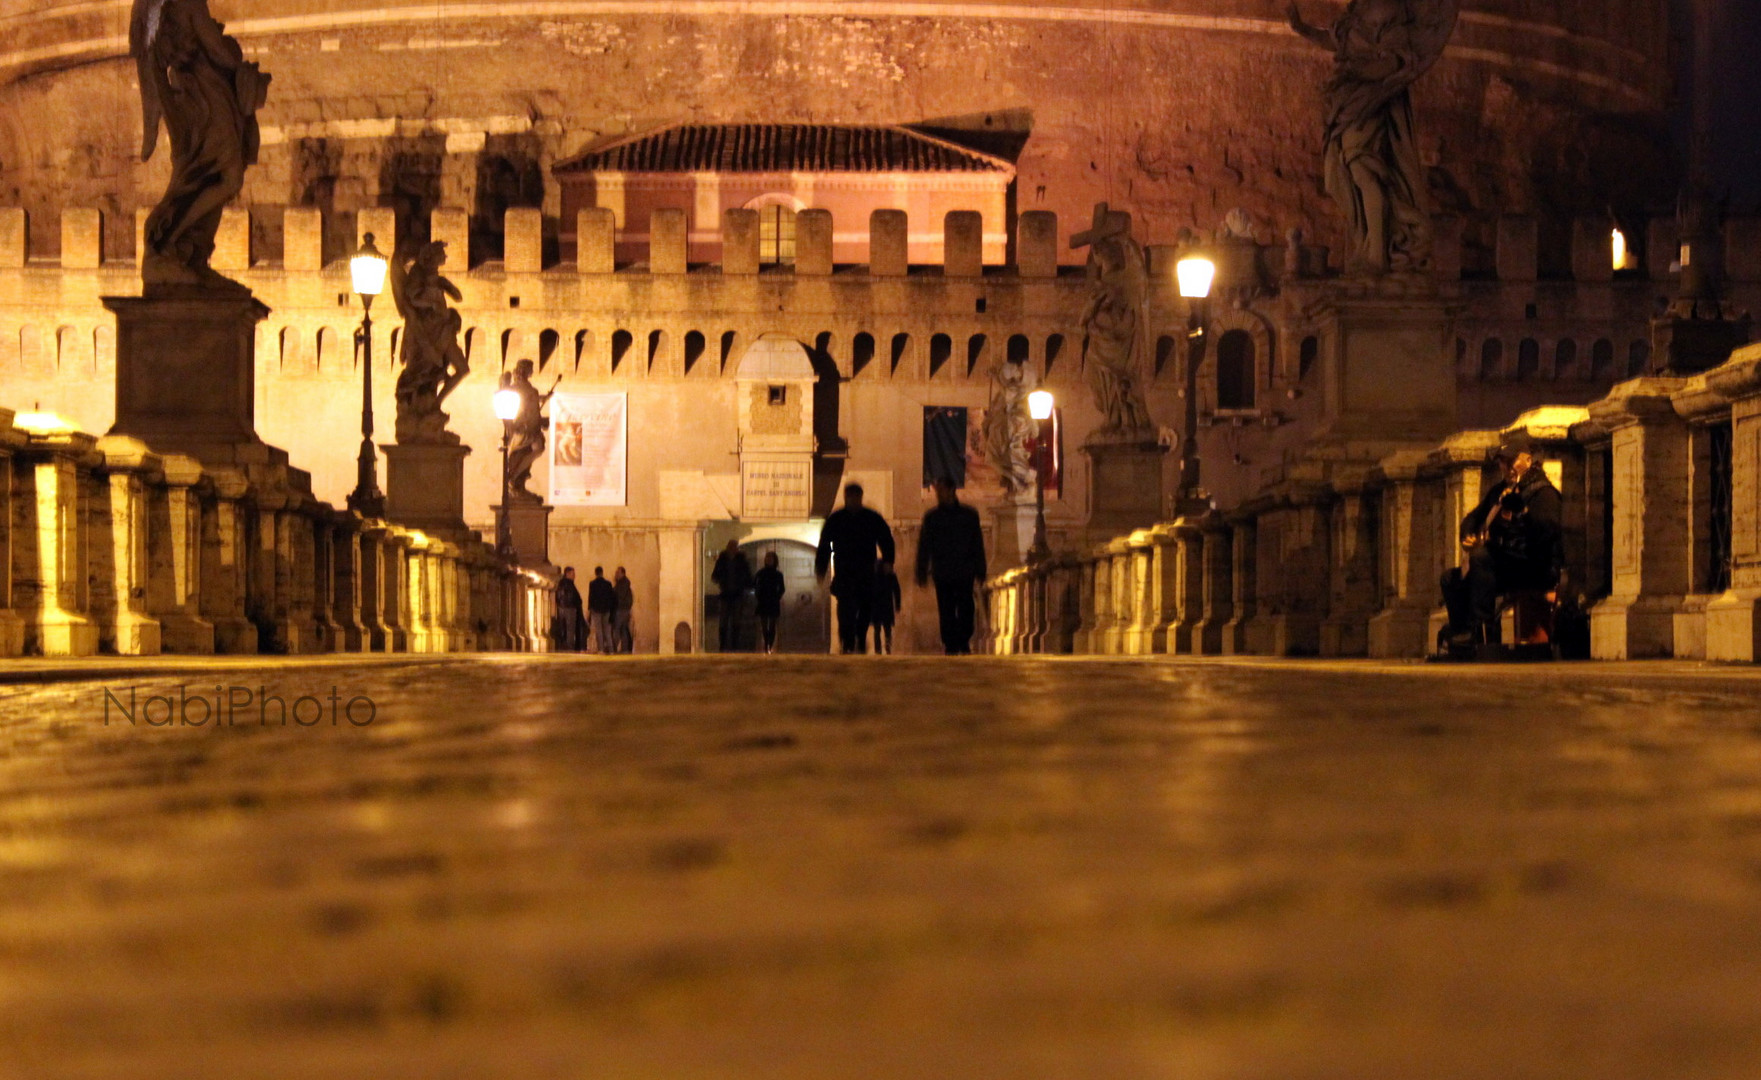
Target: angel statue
column 522, row 438
column 1009, row 427
column 1113, row 323
column 1380, row 48
column 434, row 364
column 197, row 81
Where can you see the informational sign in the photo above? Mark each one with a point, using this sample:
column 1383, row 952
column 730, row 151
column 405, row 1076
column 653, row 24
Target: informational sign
column 778, row 489
column 589, row 437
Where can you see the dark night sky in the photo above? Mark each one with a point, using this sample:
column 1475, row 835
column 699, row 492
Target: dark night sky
column 1732, row 76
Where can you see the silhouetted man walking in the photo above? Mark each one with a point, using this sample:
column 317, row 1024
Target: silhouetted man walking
column 951, row 550
column 853, row 542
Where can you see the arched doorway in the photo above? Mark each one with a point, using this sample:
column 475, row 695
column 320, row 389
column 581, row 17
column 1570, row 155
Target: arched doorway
column 806, row 625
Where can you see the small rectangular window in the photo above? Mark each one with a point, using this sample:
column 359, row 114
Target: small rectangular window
column 779, row 395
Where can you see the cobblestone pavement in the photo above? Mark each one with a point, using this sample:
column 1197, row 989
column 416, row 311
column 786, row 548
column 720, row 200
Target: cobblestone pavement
column 698, row 868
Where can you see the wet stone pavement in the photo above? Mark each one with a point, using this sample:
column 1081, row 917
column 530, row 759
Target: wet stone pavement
column 698, row 868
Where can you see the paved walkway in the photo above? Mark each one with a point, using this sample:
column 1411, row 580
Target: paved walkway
column 698, row 868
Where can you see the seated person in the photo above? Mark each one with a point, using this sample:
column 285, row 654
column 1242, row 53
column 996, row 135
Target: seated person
column 1512, row 541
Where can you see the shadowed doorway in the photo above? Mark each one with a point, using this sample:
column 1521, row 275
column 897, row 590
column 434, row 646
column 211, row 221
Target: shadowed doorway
column 806, row 625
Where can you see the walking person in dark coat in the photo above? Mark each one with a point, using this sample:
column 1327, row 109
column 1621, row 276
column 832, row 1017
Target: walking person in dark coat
column 571, row 627
column 768, row 587
column 732, row 576
column 602, row 604
column 1513, row 544
column 887, row 602
column 854, row 540
column 951, row 550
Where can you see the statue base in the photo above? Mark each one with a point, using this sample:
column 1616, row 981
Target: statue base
column 1125, row 484
column 425, row 487
column 1014, row 525
column 528, row 533
column 186, row 364
column 1388, row 369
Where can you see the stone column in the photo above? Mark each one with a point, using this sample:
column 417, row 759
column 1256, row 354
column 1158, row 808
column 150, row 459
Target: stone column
column 1120, row 598
column 1294, row 578
column 1461, row 462
column 47, row 567
column 1148, row 600
column 11, row 626
column 118, row 553
column 393, row 588
column 1187, row 586
column 681, row 587
column 293, row 579
column 174, row 558
column 345, row 583
column 376, row 634
column 1243, row 582
column 1216, row 586
column 1733, row 620
column 1063, row 604
column 1082, row 639
column 1412, row 500
column 226, row 563
column 1653, row 558
column 418, row 616
column 1353, row 587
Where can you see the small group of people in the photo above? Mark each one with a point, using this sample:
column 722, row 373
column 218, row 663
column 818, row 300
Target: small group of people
column 857, row 548
column 1513, row 547
column 601, row 624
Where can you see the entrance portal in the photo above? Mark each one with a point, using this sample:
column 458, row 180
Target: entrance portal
column 806, row 625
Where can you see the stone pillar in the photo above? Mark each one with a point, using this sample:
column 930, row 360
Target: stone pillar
column 82, row 238
column 1217, row 585
column 326, row 631
column 11, row 626
column 1082, row 638
column 174, row 558
column 681, row 587
column 1733, row 620
column 302, row 239
column 418, row 626
column 1143, row 593
column 813, row 243
column 48, row 573
column 523, row 240
column 1518, row 252
column 394, row 605
column 596, row 240
column 1592, row 250
column 1653, row 559
column 1013, row 518
column 14, row 238
column 666, row 241
column 1295, row 581
column 963, row 244
column 118, row 552
column 1122, row 597
column 346, row 584
column 529, row 533
column 1125, row 484
column 1243, row 588
column 425, row 486
column 1411, row 505
column 1462, row 465
column 451, row 225
column 376, row 634
column 1353, row 587
column 1036, row 244
column 225, row 563
column 889, row 243
column 739, row 242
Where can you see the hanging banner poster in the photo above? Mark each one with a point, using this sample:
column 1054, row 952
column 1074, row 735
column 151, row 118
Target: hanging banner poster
column 589, row 436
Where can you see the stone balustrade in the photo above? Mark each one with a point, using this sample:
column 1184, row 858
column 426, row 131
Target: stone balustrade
column 1661, row 485
column 109, row 547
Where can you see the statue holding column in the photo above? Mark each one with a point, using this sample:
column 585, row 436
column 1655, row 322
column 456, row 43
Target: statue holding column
column 434, row 363
column 1113, row 323
column 1008, row 428
column 196, row 81
column 1380, row 48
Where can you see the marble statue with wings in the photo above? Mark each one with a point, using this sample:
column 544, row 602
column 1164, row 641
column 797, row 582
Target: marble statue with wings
column 195, row 81
column 1380, row 48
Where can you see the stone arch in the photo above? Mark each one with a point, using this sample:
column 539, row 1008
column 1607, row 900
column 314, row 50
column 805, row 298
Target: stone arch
column 941, row 347
column 901, row 348
column 730, row 342
column 1310, row 351
column 10, row 359
column 548, row 340
column 1602, row 359
column 1237, row 370
column 776, row 227
column 1166, row 347
column 1528, row 359
column 1054, row 351
column 1019, row 349
column 1565, row 359
column 104, row 349
column 1491, row 359
column 290, row 349
column 861, row 352
column 695, row 344
column 1258, row 333
column 72, row 355
column 583, row 347
column 658, row 340
column 977, row 348
column 31, row 356
column 621, row 343
column 329, row 354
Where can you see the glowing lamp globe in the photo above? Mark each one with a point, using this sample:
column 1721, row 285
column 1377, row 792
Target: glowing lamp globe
column 1196, row 274
column 367, row 267
column 1039, row 404
column 507, row 403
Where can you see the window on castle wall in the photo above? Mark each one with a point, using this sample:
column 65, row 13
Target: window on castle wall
column 1018, row 349
column 729, row 339
column 1235, row 370
column 1054, row 350
column 1491, row 359
column 861, row 352
column 583, row 346
column 620, row 347
column 1164, row 354
column 776, row 234
column 1311, row 351
column 1565, row 359
column 975, row 352
column 901, row 344
column 1528, row 359
column 1602, row 359
column 1638, row 355
column 694, row 346
column 548, row 340
column 941, row 347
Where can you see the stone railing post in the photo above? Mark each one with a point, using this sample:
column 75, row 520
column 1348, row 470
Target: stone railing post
column 1462, row 465
column 1243, row 582
column 1148, row 601
column 11, row 626
column 48, row 567
column 1121, row 600
column 394, row 601
column 418, row 606
column 118, row 552
column 1188, row 587
column 225, row 559
column 1216, row 585
column 174, row 557
column 377, row 633
column 346, row 582
column 1411, row 502
column 327, row 632
column 1354, row 590
column 1733, row 620
column 1293, row 574
column 1653, row 558
column 1082, row 639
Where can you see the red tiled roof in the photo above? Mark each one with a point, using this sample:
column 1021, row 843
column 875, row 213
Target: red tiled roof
column 776, row 148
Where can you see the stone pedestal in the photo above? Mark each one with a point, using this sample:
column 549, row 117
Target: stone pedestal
column 1125, row 486
column 425, row 487
column 186, row 371
column 1014, row 531
column 1388, row 362
column 529, row 533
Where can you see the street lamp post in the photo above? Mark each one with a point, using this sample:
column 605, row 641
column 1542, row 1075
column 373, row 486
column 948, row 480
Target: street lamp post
column 1195, row 274
column 507, row 408
column 367, row 269
column 1039, row 406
